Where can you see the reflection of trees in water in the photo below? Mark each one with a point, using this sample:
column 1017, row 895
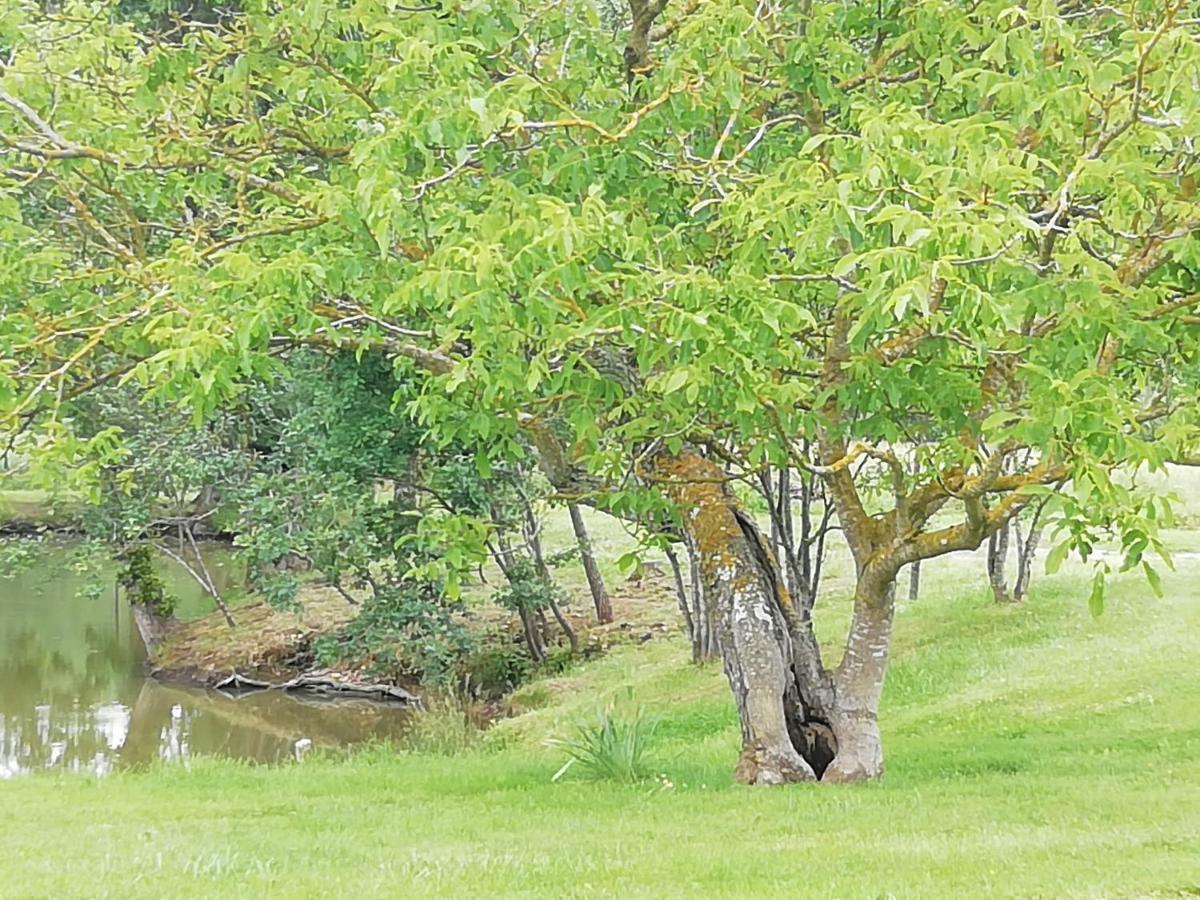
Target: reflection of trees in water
column 73, row 694
column 171, row 722
column 64, row 708
column 102, row 667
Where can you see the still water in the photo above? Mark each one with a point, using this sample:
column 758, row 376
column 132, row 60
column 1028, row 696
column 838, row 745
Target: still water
column 74, row 695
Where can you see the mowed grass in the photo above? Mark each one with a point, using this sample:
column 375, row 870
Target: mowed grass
column 1032, row 751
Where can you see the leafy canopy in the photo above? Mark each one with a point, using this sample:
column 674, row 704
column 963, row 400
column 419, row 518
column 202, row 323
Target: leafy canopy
column 968, row 226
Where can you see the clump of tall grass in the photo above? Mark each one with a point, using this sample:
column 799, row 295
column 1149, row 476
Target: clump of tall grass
column 445, row 726
column 613, row 748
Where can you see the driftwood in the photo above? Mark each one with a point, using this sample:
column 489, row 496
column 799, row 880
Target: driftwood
column 318, row 684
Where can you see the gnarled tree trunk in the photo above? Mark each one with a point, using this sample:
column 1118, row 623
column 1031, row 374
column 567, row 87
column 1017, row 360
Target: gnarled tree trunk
column 785, row 699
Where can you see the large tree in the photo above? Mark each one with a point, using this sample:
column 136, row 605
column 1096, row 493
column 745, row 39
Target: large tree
column 956, row 241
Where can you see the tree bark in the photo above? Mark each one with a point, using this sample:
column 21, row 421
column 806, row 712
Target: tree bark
column 684, row 609
column 702, row 613
column 604, row 613
column 859, row 682
column 1026, row 550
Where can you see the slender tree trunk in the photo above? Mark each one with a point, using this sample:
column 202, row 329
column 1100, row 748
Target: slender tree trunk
column 682, row 596
column 914, row 581
column 604, row 613
column 705, row 638
column 533, row 537
column 1026, row 551
column 533, row 641
column 565, row 625
column 997, row 562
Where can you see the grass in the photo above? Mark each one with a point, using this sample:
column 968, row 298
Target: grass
column 1032, row 751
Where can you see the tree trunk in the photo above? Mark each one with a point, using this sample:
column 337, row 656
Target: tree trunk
column 702, row 613
column 152, row 626
column 572, row 638
column 778, row 684
column 533, row 641
column 1026, row 550
column 858, row 682
column 997, row 561
column 914, row 581
column 684, row 609
column 533, row 538
column 604, row 613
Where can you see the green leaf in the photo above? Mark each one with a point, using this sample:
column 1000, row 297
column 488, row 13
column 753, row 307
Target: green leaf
column 1055, row 560
column 675, row 379
column 1154, row 578
column 1096, row 598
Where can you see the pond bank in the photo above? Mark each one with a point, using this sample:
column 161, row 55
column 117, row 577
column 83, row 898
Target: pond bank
column 276, row 646
column 265, row 643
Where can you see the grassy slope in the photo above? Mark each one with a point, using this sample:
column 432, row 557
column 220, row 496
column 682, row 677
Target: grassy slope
column 1032, row 752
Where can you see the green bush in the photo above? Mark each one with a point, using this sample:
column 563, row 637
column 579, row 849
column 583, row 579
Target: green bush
column 406, row 629
column 492, row 672
column 142, row 584
column 557, row 661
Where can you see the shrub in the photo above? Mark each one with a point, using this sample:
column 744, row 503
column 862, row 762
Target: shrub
column 495, row 671
column 406, row 628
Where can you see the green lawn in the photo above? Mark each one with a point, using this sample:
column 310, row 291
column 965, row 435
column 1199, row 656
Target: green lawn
column 1032, row 751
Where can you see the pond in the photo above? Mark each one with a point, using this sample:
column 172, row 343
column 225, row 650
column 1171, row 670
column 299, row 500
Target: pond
column 74, row 695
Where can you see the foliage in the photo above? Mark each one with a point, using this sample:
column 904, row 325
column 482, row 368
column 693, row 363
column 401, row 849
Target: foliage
column 406, row 628
column 526, row 589
column 492, row 672
column 945, row 249
column 971, row 224
column 144, row 586
column 18, row 554
column 611, row 749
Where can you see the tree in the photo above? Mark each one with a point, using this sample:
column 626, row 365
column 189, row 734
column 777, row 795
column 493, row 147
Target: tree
column 753, row 234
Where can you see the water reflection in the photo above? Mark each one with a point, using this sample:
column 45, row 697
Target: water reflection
column 73, row 696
